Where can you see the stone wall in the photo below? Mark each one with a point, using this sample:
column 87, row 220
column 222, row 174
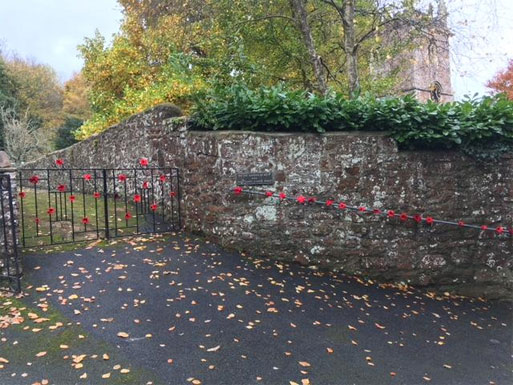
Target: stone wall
column 361, row 168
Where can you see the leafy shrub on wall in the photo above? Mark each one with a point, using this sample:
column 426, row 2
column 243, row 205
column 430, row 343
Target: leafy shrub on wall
column 473, row 122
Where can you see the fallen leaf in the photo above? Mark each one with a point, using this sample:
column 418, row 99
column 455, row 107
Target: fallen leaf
column 123, row 335
column 214, row 349
column 41, row 354
column 304, row 364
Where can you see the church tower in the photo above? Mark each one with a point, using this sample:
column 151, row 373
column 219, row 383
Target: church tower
column 425, row 70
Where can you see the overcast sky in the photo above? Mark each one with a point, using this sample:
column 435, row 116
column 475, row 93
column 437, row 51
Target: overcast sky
column 50, row 30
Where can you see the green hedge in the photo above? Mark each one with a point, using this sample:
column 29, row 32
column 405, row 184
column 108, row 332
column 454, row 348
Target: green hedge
column 472, row 124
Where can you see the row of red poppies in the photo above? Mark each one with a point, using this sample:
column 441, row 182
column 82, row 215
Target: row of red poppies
column 51, row 211
column 144, row 162
column 34, row 179
column 96, row 195
column 362, row 209
column 85, row 220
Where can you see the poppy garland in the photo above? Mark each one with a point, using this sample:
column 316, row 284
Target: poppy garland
column 403, row 217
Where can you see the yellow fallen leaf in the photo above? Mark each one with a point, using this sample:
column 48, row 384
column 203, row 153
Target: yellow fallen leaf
column 329, row 350
column 379, row 326
column 64, row 346
column 106, row 375
column 4, row 360
column 123, row 335
column 305, row 381
column 350, row 327
column 41, row 354
column 105, row 357
column 304, row 364
column 78, row 359
column 83, row 376
column 293, row 383
column 124, row 371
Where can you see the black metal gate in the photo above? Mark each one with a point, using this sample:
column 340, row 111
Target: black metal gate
column 9, row 264
column 59, row 206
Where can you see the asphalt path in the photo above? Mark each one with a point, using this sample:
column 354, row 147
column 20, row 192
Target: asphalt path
column 189, row 312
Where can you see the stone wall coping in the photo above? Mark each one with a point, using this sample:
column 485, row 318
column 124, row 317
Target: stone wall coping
column 297, row 134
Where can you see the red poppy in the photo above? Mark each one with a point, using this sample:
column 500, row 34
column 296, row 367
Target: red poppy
column 72, row 198
column 500, row 230
column 312, row 200
column 61, row 187
column 51, row 211
column 377, row 211
column 417, row 218
column 59, row 162
column 301, row 199
column 137, row 198
column 237, row 190
column 38, row 221
column 22, row 194
column 34, row 179
column 97, row 195
column 122, row 177
column 403, row 217
column 342, row 206
column 329, row 203
column 154, row 207
column 85, row 221
column 146, row 185
column 391, row 213
column 144, row 162
column 484, row 227
column 362, row 209
column 87, row 176
column 172, row 193
column 461, row 224
column 430, row 220
column 269, row 194
column 283, row 196
column 162, row 178
column 128, row 216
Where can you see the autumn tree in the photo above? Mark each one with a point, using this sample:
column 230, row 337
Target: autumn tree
column 38, row 91
column 502, row 82
column 75, row 98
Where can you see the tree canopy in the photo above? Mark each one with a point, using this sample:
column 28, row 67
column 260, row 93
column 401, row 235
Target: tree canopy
column 172, row 51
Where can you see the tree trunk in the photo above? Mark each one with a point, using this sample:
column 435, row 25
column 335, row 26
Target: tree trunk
column 350, row 47
column 300, row 15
